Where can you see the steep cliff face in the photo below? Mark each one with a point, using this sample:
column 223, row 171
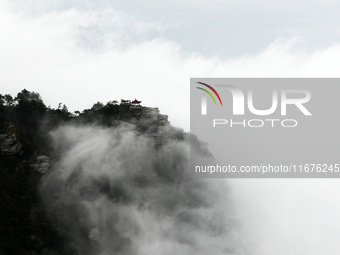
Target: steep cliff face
column 126, row 188
column 27, row 155
column 9, row 141
column 150, row 124
column 113, row 179
column 40, row 164
column 24, row 226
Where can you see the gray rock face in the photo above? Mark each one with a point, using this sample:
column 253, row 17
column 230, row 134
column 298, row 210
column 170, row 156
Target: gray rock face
column 162, row 119
column 123, row 124
column 41, row 164
column 151, row 113
column 9, row 142
column 94, row 234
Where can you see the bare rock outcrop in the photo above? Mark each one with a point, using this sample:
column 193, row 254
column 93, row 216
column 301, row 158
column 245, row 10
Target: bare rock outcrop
column 9, row 141
column 41, row 164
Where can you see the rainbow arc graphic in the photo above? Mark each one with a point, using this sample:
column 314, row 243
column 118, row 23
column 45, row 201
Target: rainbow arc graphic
column 209, row 93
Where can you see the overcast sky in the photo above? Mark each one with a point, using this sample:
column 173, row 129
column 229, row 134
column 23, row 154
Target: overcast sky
column 80, row 52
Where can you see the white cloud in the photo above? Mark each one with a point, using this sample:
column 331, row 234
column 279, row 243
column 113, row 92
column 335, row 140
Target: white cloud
column 73, row 57
column 109, row 181
column 44, row 54
column 289, row 216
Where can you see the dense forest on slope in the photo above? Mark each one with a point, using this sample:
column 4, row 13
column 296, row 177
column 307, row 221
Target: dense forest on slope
column 24, row 227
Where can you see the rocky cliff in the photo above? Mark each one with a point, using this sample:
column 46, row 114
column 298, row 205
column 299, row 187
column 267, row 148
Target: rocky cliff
column 27, row 155
column 112, row 179
column 9, row 141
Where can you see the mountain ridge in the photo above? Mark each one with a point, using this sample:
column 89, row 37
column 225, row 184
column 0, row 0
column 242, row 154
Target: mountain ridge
column 106, row 180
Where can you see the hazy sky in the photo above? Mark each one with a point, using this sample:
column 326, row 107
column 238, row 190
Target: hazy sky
column 78, row 52
column 216, row 27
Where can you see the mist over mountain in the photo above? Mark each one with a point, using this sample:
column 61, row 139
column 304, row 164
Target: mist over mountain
column 113, row 179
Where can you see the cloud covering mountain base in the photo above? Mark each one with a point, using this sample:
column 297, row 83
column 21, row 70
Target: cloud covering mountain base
column 113, row 192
